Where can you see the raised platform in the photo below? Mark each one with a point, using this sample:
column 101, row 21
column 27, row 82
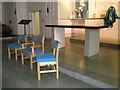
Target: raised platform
column 103, row 42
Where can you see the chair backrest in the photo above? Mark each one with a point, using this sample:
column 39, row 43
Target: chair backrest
column 56, row 47
column 39, row 39
column 22, row 39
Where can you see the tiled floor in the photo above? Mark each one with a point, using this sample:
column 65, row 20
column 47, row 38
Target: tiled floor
column 102, row 40
column 15, row 75
column 103, row 67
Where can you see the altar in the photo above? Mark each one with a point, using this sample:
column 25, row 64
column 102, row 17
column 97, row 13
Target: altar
column 92, row 35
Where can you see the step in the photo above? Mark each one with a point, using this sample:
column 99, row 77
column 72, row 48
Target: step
column 86, row 79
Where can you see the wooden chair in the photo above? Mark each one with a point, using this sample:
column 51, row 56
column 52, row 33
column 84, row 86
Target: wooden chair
column 48, row 59
column 33, row 50
column 14, row 47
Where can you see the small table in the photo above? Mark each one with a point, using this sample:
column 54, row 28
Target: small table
column 24, row 22
column 92, row 35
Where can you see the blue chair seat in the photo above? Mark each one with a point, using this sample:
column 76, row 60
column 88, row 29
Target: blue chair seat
column 46, row 57
column 28, row 51
column 15, row 45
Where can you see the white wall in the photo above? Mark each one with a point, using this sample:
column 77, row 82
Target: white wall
column 38, row 6
column 99, row 8
column 6, row 13
column 0, row 12
column 65, row 9
column 119, row 22
column 119, row 8
column 119, row 31
column 0, row 47
column 21, row 9
column 47, row 18
column 51, row 17
column 14, row 18
column 64, row 14
column 9, row 15
column 35, row 6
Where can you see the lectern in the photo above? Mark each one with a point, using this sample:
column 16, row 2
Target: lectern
column 24, row 22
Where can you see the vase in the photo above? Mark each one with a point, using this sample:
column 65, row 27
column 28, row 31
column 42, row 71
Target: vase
column 79, row 15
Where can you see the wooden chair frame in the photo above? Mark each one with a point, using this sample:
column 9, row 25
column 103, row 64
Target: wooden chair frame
column 16, row 50
column 25, row 56
column 55, row 64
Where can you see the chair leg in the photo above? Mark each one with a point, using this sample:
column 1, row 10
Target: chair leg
column 9, row 53
column 22, row 58
column 31, row 64
column 57, row 73
column 38, row 70
column 54, row 67
column 16, row 55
